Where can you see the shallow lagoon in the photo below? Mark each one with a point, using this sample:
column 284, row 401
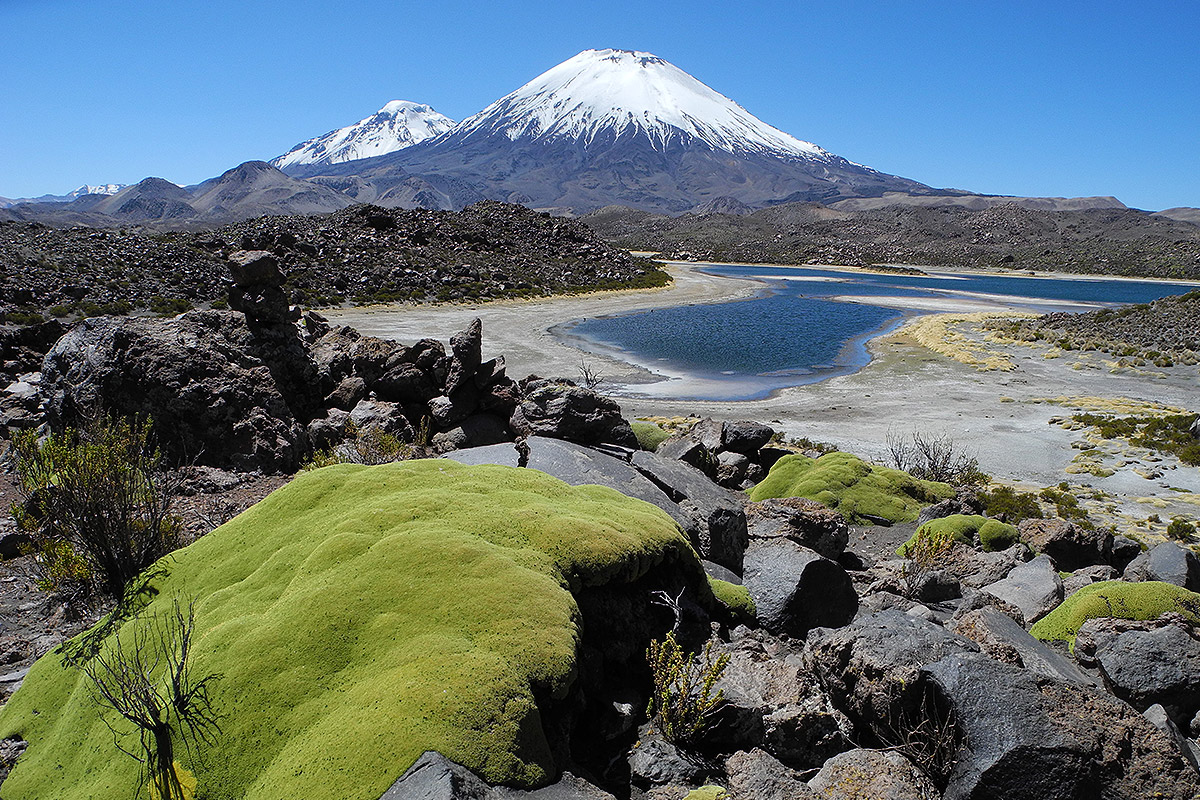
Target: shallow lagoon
column 810, row 324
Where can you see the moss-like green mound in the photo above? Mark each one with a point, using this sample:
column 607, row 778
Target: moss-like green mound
column 1118, row 599
column 962, row 528
column 736, row 600
column 852, row 486
column 358, row 617
column 649, row 435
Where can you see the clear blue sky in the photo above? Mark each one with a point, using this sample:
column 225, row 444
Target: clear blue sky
column 1029, row 98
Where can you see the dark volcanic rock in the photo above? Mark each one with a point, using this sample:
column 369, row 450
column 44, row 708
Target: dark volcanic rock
column 805, row 522
column 756, row 775
column 218, row 394
column 795, row 589
column 1034, row 587
column 1148, row 667
column 1004, row 640
column 561, row 410
column 1167, row 562
column 873, row 775
column 1070, row 545
column 1036, row 739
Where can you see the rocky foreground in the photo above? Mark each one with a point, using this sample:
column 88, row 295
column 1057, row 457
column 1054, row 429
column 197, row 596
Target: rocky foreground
column 883, row 638
column 363, row 253
column 1091, row 241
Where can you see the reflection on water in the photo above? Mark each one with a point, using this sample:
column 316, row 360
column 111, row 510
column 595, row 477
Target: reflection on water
column 794, row 334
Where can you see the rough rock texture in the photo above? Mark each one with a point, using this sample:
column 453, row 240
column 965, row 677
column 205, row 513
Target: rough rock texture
column 1167, row 562
column 1033, row 587
column 720, row 535
column 756, row 775
column 771, row 702
column 1036, row 739
column 873, row 775
column 435, row 777
column 218, row 393
column 655, row 761
column 1004, row 640
column 1070, row 545
column 561, row 410
column 805, row 522
column 1148, row 667
column 795, row 589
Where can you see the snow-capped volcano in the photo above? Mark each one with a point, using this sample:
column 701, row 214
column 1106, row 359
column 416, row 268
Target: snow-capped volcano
column 618, row 127
column 601, row 94
column 397, row 125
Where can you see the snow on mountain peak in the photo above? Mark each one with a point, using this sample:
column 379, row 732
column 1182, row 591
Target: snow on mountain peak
column 624, row 92
column 397, row 125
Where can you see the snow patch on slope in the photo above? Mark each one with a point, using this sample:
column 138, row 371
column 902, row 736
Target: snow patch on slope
column 628, row 93
column 397, row 125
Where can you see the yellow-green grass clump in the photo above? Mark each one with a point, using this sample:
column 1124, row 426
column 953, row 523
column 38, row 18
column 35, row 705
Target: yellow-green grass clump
column 963, row 528
column 735, row 599
column 1119, row 599
column 852, row 486
column 649, row 435
column 358, row 617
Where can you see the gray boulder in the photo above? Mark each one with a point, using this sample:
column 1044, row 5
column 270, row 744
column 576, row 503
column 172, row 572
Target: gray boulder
column 561, row 410
column 795, row 589
column 1034, row 587
column 1071, row 546
column 772, row 702
column 1167, row 562
column 1028, row 738
column 1157, row 716
column 435, row 777
column 721, row 535
column 1148, row 667
column 747, row 437
column 219, row 394
column 1124, row 550
column 731, row 469
column 477, row 430
column 654, row 762
column 1004, row 640
column 757, row 775
column 870, row 668
column 805, row 522
column 873, row 775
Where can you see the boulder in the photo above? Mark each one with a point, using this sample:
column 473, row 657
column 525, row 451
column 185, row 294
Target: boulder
column 435, row 777
column 654, row 762
column 747, row 437
column 1147, row 667
column 870, row 667
column 475, row 431
column 977, row 568
column 388, row 418
column 872, row 775
column 805, row 522
column 1000, row 637
column 772, row 702
column 1124, row 550
column 1157, row 716
column 1022, row 737
column 756, row 775
column 710, row 433
column 219, row 395
column 562, row 410
column 1034, row 587
column 467, row 348
column 964, row 501
column 1167, row 562
column 721, row 535
column 731, row 469
column 257, row 289
column 689, row 451
column 795, row 589
column 1071, row 546
column 254, row 268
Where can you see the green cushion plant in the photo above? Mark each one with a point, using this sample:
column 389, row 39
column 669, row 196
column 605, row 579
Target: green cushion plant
column 1143, row 600
column 358, row 617
column 852, row 486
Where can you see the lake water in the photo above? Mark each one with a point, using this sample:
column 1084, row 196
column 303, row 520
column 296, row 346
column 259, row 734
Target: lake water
column 810, row 324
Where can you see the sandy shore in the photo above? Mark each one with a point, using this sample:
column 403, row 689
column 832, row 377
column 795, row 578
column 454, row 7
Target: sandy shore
column 1001, row 416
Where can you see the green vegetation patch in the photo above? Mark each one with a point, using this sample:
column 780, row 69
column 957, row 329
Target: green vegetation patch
column 358, row 617
column 649, row 435
column 1119, row 599
column 1010, row 503
column 940, row 534
column 852, row 486
column 736, row 600
column 1169, row 433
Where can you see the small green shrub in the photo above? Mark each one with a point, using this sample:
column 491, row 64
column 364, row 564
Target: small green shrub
column 1144, row 600
column 94, row 496
column 1180, row 529
column 1008, row 504
column 23, row 318
column 649, row 436
column 370, row 446
column 169, row 306
column 683, row 697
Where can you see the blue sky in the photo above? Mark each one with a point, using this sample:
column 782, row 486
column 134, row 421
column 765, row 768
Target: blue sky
column 1029, row 98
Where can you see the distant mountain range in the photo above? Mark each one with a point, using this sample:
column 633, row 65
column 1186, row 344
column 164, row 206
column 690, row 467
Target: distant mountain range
column 607, row 127
column 86, row 189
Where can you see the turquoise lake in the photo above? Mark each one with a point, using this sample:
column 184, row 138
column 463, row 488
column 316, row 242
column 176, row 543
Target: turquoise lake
column 796, row 332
